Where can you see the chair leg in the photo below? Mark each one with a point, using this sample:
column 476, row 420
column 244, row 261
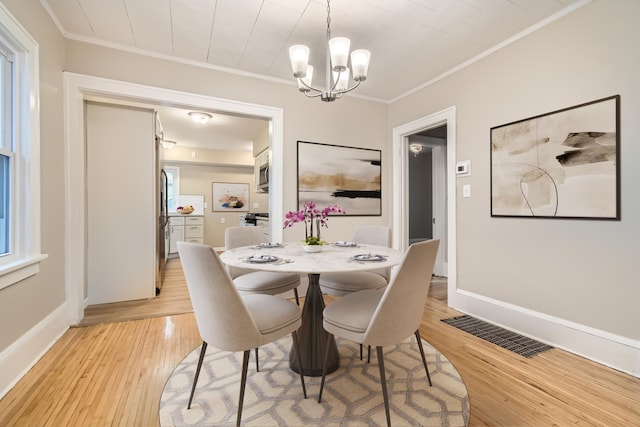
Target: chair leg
column 203, row 350
column 383, row 381
column 243, row 382
column 368, row 354
column 424, row 360
column 257, row 361
column 324, row 366
column 360, row 351
column 297, row 350
column 295, row 292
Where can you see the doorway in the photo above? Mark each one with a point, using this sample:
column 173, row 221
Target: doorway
column 77, row 89
column 427, row 190
column 444, row 229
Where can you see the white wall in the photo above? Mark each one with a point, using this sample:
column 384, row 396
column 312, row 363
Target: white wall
column 32, row 311
column 578, row 275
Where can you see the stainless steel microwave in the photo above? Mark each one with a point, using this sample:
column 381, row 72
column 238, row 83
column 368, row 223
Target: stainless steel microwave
column 263, row 178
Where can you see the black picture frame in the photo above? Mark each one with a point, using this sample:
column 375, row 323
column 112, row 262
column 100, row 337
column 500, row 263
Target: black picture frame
column 335, row 174
column 562, row 164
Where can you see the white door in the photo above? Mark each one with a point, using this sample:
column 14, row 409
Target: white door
column 121, row 214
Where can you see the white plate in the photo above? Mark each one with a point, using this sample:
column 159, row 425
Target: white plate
column 369, row 258
column 262, row 259
column 270, row 245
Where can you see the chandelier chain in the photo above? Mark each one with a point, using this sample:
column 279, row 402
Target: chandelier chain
column 328, row 20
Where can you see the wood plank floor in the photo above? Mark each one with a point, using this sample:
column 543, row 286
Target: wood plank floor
column 113, row 374
column 173, row 299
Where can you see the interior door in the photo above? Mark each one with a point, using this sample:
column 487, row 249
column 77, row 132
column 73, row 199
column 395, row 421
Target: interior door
column 121, row 203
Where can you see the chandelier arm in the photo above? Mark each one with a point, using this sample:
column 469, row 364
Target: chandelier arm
column 315, row 95
column 308, row 86
column 340, row 92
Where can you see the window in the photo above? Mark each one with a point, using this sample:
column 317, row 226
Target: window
column 173, row 186
column 19, row 153
column 6, row 148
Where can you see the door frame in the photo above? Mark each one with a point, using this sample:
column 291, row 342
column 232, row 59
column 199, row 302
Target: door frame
column 401, row 187
column 79, row 86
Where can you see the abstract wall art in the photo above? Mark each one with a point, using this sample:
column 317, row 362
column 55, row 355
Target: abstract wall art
column 229, row 196
column 334, row 174
column 563, row 164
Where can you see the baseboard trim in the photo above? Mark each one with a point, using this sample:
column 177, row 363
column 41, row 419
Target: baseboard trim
column 609, row 349
column 24, row 353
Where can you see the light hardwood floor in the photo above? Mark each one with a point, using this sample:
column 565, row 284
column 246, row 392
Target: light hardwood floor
column 113, row 374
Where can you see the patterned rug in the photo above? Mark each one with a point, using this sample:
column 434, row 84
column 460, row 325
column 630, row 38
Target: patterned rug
column 352, row 394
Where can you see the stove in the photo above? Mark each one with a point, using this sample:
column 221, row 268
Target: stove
column 253, row 217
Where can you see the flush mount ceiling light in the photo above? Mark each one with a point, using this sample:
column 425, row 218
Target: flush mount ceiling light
column 337, row 72
column 167, row 144
column 199, row 117
column 415, row 149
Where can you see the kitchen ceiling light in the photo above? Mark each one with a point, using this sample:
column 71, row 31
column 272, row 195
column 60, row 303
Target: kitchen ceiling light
column 167, row 144
column 199, row 117
column 337, row 76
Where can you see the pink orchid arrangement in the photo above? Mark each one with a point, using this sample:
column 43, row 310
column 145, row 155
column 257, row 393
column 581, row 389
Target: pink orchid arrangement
column 310, row 215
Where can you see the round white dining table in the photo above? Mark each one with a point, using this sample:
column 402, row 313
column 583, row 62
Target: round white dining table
column 291, row 258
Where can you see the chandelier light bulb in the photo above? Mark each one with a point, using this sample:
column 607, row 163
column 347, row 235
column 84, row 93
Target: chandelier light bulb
column 305, row 82
column 299, row 56
column 360, row 64
column 339, row 49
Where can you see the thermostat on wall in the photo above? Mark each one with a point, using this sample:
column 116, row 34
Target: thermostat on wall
column 463, row 168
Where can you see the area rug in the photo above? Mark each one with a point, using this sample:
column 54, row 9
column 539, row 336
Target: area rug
column 352, row 394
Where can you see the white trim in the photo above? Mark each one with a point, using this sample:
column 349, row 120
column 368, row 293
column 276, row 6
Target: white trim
column 612, row 350
column 24, row 353
column 76, row 87
column 400, row 185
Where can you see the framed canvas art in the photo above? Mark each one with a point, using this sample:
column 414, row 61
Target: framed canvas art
column 563, row 164
column 347, row 176
column 228, row 196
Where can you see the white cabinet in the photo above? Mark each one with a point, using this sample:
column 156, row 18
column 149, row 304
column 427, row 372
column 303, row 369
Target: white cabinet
column 194, row 229
column 176, row 232
column 185, row 228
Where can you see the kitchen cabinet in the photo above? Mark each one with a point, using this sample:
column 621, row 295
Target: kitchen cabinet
column 185, row 229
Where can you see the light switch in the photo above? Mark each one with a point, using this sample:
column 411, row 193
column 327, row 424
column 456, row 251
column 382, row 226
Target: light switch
column 466, row 190
column 222, row 220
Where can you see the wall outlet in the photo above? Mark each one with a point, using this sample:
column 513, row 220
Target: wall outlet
column 222, row 220
column 256, row 205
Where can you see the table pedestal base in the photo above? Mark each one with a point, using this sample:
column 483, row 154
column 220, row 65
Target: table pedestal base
column 312, row 338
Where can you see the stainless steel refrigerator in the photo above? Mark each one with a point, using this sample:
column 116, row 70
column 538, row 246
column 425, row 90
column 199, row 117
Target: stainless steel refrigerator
column 163, row 222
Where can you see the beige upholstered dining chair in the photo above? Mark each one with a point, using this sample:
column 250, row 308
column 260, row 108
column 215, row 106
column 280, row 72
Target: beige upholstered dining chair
column 341, row 284
column 231, row 322
column 383, row 317
column 257, row 282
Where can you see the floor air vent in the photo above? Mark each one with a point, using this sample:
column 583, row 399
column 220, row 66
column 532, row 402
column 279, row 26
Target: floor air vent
column 499, row 336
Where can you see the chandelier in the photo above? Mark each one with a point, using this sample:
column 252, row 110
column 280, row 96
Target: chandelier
column 337, row 71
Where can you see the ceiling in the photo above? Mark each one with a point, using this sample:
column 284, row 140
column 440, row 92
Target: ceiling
column 412, row 42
